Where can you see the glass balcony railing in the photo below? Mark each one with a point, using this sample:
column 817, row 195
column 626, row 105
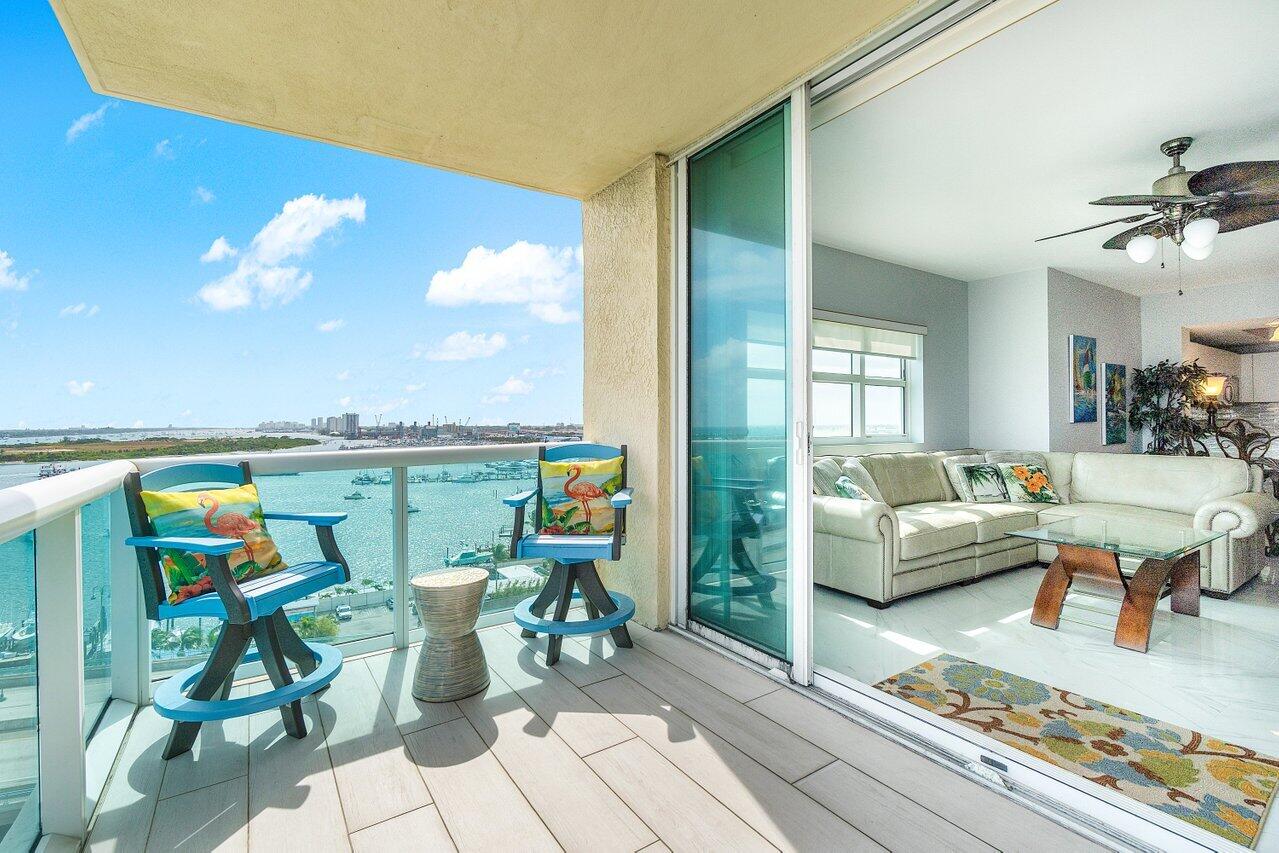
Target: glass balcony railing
column 411, row 510
column 19, row 704
column 95, row 573
column 457, row 519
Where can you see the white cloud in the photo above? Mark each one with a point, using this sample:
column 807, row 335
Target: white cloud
column 186, row 413
column 414, row 387
column 463, row 346
column 343, row 375
column 9, row 278
column 512, row 387
column 344, row 401
column 202, row 195
column 541, row 277
column 138, row 424
column 78, row 309
column 220, row 250
column 79, row 389
column 163, row 149
column 329, row 326
column 389, row 406
column 302, row 221
column 86, row 121
column 553, row 312
column 290, row 233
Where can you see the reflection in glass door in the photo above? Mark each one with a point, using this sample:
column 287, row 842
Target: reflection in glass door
column 738, row 391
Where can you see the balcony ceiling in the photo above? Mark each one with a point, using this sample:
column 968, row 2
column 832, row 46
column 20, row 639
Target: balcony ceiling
column 562, row 97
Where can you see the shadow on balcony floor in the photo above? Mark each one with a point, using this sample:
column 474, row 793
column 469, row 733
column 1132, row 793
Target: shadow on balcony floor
column 665, row 746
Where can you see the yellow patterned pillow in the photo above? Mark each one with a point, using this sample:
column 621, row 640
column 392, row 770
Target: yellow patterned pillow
column 234, row 513
column 575, row 495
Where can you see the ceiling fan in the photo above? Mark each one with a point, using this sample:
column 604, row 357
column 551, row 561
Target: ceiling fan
column 1191, row 208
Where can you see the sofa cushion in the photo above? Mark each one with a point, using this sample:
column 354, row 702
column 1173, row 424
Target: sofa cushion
column 950, row 465
column 1179, row 484
column 855, row 471
column 907, row 478
column 826, row 470
column 933, row 527
column 1018, row 457
column 993, row 521
column 1117, row 512
column 1027, row 483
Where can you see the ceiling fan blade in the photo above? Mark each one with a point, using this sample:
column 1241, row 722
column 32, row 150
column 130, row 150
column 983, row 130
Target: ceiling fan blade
column 1152, row 199
column 1261, row 176
column 1246, row 216
column 1136, row 217
column 1120, row 240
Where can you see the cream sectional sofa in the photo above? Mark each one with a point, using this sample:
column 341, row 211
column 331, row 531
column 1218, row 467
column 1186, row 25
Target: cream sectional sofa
column 915, row 534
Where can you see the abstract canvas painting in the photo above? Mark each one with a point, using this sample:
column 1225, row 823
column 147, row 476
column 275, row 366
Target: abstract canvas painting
column 1083, row 379
column 1114, row 384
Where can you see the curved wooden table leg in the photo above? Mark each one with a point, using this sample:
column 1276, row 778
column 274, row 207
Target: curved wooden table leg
column 1185, row 585
column 1051, row 595
column 1138, row 609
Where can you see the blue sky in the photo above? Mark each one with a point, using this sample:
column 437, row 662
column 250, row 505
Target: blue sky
column 312, row 295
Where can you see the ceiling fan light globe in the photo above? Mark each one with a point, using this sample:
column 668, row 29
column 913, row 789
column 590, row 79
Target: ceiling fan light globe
column 1202, row 232
column 1196, row 253
column 1141, row 248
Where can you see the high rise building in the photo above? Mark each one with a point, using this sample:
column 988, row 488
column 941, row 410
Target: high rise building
column 333, row 425
column 351, row 425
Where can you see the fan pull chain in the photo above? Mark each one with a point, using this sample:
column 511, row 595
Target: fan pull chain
column 1180, row 292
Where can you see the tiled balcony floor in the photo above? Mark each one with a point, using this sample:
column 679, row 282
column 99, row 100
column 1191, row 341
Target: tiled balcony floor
column 665, row 746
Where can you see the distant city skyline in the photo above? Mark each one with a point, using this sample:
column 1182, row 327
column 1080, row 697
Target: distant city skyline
column 160, row 268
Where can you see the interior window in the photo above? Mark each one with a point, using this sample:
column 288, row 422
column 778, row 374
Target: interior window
column 862, row 378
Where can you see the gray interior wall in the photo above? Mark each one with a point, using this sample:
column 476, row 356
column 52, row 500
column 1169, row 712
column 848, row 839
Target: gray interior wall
column 1164, row 314
column 855, row 284
column 1080, row 307
column 1008, row 362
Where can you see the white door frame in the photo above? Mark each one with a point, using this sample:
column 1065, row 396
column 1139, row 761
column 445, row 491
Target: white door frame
column 1105, row 815
column 799, row 474
column 799, row 508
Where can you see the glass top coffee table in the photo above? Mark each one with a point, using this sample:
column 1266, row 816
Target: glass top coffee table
column 1091, row 547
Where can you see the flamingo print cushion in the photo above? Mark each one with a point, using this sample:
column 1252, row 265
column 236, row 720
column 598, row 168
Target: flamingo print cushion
column 575, row 495
column 234, row 513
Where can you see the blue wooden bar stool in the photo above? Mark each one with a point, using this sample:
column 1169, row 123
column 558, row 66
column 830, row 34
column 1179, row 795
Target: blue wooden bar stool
column 203, row 550
column 581, row 502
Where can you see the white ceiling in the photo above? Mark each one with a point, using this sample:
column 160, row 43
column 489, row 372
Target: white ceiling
column 959, row 169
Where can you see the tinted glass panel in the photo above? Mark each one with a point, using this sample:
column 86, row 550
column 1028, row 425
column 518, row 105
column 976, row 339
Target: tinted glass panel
column 739, row 410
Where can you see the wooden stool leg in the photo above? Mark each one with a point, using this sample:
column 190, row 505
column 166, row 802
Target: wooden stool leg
column 227, row 651
column 593, row 592
column 268, row 641
column 548, row 594
column 554, row 641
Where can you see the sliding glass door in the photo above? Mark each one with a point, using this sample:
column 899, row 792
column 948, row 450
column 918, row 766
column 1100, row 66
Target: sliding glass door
column 741, row 424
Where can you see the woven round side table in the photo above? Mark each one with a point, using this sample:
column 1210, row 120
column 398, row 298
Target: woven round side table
column 451, row 664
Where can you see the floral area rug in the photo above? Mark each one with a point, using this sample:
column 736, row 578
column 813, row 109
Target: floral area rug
column 1219, row 786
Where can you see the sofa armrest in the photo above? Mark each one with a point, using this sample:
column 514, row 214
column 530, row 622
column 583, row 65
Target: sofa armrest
column 1243, row 514
column 853, row 519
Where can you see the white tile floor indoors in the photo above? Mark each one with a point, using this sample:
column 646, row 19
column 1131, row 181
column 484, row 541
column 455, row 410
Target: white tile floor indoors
column 1218, row 674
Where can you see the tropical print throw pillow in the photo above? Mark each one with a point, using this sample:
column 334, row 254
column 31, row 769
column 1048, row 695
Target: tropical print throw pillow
column 984, row 482
column 232, row 513
column 575, row 495
column 846, row 488
column 1028, row 484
